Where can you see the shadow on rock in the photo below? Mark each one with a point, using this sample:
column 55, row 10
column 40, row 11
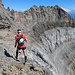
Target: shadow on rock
column 7, row 54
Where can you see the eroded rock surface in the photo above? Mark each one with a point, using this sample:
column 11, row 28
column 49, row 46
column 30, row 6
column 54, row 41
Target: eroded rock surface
column 51, row 41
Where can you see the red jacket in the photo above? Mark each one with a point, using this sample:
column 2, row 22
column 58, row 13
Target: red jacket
column 16, row 38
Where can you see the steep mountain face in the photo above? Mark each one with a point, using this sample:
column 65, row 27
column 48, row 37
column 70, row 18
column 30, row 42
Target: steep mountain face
column 58, row 46
column 51, row 41
column 36, row 15
column 6, row 19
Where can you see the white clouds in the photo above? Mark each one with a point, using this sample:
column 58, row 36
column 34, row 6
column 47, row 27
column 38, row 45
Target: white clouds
column 68, row 10
column 71, row 12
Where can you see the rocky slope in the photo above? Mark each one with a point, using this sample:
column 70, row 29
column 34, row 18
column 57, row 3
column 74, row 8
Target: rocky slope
column 6, row 19
column 51, row 43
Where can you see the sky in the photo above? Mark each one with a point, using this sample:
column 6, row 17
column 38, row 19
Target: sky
column 22, row 5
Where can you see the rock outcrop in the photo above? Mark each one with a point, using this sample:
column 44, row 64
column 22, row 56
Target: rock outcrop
column 42, row 14
column 1, row 4
column 6, row 19
column 54, row 49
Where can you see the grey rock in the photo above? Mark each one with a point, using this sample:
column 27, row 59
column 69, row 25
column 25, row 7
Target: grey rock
column 51, row 41
column 43, row 15
column 6, row 19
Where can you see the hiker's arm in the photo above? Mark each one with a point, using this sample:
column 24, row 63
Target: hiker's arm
column 15, row 43
column 26, row 39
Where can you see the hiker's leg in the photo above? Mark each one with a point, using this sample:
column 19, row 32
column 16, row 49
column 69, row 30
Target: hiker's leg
column 25, row 55
column 17, row 53
column 24, row 52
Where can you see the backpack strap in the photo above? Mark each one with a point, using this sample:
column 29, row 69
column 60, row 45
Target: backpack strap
column 18, row 37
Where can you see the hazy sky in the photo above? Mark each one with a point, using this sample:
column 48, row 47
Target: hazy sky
column 21, row 5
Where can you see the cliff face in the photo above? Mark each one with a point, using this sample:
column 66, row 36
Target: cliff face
column 51, row 41
column 6, row 19
column 55, row 50
column 36, row 15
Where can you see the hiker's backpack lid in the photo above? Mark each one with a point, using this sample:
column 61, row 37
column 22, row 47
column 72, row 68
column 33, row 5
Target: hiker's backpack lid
column 21, row 40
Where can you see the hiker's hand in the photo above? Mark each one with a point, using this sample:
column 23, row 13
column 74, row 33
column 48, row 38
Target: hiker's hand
column 14, row 45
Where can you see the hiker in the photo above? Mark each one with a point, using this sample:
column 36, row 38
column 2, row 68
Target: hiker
column 20, row 43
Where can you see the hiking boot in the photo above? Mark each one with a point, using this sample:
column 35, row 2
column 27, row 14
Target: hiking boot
column 24, row 63
column 16, row 57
